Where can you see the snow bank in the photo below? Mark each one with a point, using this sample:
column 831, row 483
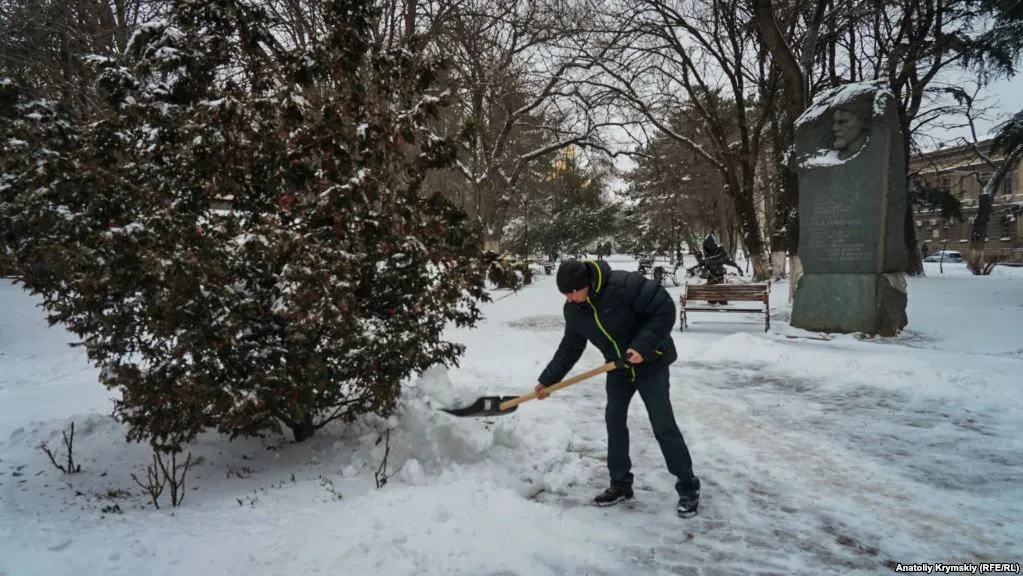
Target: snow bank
column 424, row 441
column 429, row 446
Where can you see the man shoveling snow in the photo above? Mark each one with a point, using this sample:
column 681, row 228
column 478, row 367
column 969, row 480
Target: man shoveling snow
column 627, row 317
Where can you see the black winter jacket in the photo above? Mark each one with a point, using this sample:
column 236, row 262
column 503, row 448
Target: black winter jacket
column 624, row 310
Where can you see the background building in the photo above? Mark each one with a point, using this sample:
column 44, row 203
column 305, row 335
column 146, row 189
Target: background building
column 963, row 172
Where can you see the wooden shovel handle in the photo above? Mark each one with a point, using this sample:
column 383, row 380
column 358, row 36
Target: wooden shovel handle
column 563, row 384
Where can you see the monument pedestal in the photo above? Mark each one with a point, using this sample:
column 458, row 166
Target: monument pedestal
column 845, row 303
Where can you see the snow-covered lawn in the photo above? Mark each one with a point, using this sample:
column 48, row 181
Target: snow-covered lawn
column 816, row 456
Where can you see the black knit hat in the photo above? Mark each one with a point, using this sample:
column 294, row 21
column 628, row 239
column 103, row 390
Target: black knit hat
column 573, row 275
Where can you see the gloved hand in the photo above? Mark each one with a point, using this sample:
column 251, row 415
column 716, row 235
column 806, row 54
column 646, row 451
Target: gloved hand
column 623, row 364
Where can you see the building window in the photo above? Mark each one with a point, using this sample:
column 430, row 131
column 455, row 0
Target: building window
column 1009, row 184
column 1008, row 222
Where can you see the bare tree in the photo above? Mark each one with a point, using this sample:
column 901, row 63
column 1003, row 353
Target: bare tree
column 1001, row 159
column 791, row 33
column 46, row 45
column 678, row 193
column 1001, row 49
column 658, row 56
column 297, row 22
column 514, row 74
column 912, row 44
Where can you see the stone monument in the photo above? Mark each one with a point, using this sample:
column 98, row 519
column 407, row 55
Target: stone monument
column 852, row 202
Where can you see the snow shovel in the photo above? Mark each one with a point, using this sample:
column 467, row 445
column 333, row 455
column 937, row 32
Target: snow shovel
column 501, row 405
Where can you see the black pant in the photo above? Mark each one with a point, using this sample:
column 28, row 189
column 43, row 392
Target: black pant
column 653, row 389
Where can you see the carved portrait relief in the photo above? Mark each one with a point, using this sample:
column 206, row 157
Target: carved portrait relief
column 849, row 128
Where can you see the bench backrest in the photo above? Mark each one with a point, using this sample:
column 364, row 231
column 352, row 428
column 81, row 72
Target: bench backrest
column 725, row 292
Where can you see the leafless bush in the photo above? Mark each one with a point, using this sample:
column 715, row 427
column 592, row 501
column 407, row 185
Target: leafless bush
column 69, row 466
column 381, row 474
column 159, row 476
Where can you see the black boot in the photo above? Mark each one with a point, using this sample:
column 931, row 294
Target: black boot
column 613, row 496
column 688, row 503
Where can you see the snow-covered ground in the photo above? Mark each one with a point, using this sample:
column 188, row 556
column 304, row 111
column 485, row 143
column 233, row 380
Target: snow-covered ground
column 816, row 457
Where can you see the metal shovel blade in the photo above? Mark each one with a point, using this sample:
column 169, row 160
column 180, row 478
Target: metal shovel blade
column 491, row 405
column 484, row 406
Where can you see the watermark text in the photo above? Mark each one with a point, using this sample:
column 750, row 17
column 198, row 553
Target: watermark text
column 966, row 568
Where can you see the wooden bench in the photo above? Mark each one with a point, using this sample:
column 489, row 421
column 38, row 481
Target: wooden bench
column 725, row 293
column 645, row 265
column 546, row 265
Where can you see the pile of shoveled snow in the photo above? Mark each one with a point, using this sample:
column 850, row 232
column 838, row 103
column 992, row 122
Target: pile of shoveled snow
column 426, row 445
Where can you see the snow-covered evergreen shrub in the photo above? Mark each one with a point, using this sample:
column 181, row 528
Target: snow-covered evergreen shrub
column 243, row 242
column 508, row 272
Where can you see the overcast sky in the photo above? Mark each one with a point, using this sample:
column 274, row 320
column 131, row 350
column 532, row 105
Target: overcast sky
column 1004, row 97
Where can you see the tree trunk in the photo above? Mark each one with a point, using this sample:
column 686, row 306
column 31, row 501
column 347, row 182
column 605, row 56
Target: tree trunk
column 975, row 252
column 410, row 18
column 690, row 240
column 777, row 257
column 722, row 229
column 759, row 269
column 779, row 244
column 788, row 212
column 734, row 240
column 304, row 429
column 790, row 196
column 854, row 65
column 750, row 227
column 795, row 272
column 914, row 258
column 795, row 70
